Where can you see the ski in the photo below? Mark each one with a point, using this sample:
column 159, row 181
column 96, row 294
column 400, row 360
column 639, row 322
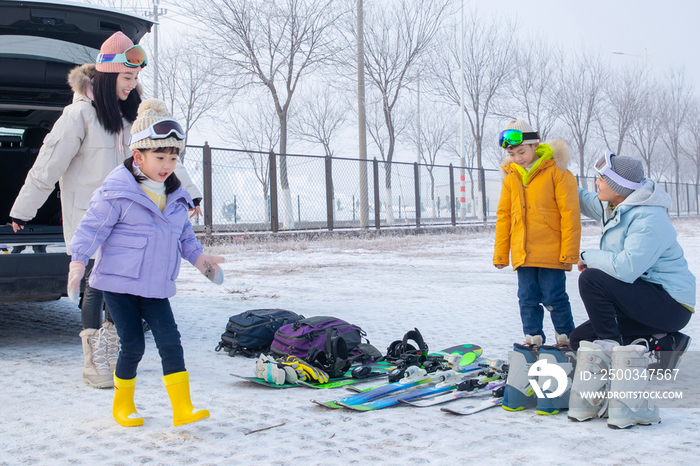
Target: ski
column 444, row 381
column 415, row 376
column 475, row 407
column 454, row 395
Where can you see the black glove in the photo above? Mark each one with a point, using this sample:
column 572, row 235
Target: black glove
column 18, row 221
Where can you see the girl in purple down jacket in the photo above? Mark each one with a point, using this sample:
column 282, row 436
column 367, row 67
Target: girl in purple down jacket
column 138, row 224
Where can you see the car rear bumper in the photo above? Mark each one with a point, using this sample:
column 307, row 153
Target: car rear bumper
column 33, row 277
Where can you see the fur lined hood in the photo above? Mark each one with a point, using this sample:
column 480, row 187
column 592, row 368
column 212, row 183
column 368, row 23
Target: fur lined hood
column 80, row 80
column 561, row 155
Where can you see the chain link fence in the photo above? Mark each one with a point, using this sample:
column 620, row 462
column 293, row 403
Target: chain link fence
column 247, row 191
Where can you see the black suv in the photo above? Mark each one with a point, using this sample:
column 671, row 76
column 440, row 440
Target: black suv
column 40, row 42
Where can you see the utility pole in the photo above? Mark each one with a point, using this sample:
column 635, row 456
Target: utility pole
column 462, row 160
column 419, row 128
column 155, row 13
column 362, row 123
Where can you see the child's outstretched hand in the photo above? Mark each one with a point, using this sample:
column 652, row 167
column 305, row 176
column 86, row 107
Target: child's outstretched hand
column 208, row 265
column 76, row 270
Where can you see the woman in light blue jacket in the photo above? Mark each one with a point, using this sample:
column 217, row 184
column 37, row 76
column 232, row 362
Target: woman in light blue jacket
column 138, row 224
column 637, row 285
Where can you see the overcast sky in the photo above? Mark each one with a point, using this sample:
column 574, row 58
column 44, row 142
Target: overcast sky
column 663, row 28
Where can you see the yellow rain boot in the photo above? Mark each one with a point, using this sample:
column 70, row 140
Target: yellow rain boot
column 123, row 408
column 178, row 387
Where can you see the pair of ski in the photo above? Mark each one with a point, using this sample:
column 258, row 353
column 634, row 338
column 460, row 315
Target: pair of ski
column 411, row 391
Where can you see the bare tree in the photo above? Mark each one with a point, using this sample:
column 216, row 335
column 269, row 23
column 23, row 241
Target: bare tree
column 624, row 98
column 397, row 35
column 255, row 128
column 319, row 116
column 437, row 131
column 274, row 44
column 189, row 86
column 646, row 129
column 488, row 65
column 579, row 95
column 691, row 145
column 678, row 98
column 537, row 65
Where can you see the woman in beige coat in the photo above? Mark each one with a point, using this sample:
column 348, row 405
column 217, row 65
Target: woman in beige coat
column 87, row 142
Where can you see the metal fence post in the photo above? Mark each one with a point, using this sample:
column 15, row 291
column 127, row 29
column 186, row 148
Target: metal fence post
column 206, row 174
column 377, row 206
column 329, row 193
column 416, row 183
column 273, row 193
column 453, row 214
column 687, row 194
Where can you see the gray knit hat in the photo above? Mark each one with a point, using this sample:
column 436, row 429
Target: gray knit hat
column 152, row 111
column 627, row 167
column 523, row 126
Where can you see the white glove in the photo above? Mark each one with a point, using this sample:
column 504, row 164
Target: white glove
column 208, row 266
column 76, row 270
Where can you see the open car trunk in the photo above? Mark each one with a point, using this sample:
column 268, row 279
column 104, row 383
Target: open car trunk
column 40, row 42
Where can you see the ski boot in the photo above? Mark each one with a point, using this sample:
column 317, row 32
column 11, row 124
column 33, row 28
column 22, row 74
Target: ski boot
column 592, row 376
column 667, row 349
column 519, row 393
column 555, row 364
column 624, row 410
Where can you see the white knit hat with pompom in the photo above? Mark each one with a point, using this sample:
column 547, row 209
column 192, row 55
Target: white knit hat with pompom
column 152, row 111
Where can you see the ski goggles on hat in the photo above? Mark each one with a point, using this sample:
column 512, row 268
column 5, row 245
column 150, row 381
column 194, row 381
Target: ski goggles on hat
column 515, row 137
column 132, row 57
column 161, row 130
column 604, row 167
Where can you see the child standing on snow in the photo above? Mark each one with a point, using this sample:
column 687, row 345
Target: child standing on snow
column 539, row 223
column 138, row 222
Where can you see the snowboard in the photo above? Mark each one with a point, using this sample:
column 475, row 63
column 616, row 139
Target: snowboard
column 475, row 407
column 378, row 369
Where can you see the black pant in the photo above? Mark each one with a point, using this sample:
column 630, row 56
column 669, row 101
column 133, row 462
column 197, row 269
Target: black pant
column 128, row 311
column 625, row 311
column 92, row 302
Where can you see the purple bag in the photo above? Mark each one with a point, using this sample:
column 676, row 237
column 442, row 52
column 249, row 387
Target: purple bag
column 326, row 342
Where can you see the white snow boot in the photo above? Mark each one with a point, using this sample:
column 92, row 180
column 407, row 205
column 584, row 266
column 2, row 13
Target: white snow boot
column 96, row 367
column 627, row 405
column 592, row 376
column 109, row 333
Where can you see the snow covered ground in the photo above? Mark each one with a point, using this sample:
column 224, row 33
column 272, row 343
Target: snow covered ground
column 444, row 285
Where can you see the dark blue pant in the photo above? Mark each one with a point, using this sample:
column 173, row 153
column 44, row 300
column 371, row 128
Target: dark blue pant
column 625, row 311
column 127, row 312
column 546, row 286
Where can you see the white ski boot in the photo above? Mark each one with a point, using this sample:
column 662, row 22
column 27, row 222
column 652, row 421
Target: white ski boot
column 592, row 376
column 556, row 364
column 627, row 407
column 519, row 394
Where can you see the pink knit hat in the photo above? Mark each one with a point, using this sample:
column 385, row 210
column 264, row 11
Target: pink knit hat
column 116, row 44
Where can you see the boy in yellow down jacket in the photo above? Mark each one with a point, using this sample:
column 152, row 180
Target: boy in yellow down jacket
column 539, row 223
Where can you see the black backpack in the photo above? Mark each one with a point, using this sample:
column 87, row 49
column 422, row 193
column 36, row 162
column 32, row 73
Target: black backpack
column 251, row 332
